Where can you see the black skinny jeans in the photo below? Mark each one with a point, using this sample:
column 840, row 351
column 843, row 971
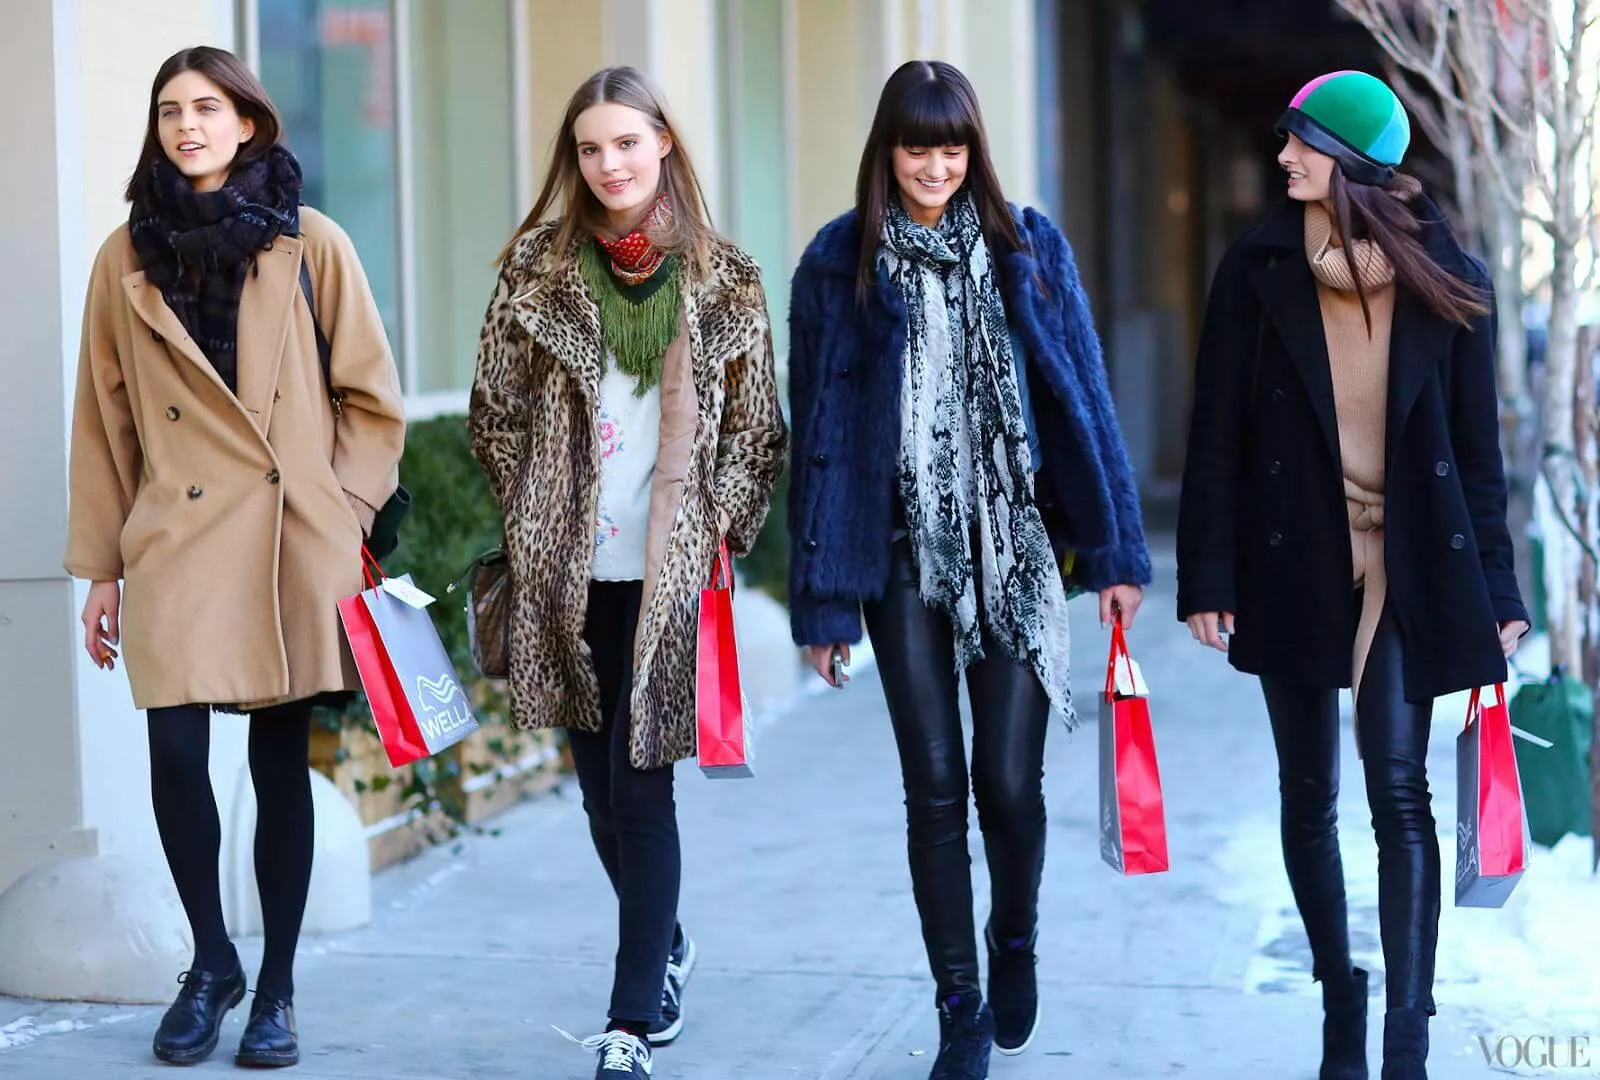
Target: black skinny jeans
column 1393, row 734
column 915, row 649
column 633, row 817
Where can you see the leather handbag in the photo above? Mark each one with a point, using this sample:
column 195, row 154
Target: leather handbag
column 488, row 580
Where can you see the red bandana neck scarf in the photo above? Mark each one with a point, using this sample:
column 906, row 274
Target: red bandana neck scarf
column 634, row 259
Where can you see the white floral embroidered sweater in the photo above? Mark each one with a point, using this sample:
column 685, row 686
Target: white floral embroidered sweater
column 630, row 437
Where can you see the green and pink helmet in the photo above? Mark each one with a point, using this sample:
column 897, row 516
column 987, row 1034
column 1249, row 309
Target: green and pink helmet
column 1354, row 118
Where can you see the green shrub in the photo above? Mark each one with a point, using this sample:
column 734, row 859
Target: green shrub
column 453, row 519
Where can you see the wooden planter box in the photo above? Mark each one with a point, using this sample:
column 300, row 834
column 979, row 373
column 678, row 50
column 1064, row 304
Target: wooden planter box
column 498, row 768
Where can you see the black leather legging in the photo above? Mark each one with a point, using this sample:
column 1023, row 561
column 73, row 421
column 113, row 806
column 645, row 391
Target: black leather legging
column 1393, row 735
column 915, row 651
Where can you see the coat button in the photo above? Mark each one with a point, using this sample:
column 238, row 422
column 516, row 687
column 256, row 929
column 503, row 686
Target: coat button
column 1275, row 468
column 1277, row 393
column 844, row 373
column 819, row 460
column 1276, row 539
column 273, row 477
column 811, row 545
column 1442, row 469
column 172, row 412
column 195, row 492
column 1457, row 542
column 155, row 336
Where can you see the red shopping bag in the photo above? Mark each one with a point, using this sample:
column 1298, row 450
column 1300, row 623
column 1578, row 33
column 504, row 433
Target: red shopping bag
column 722, row 720
column 418, row 704
column 1133, row 825
column 1491, row 825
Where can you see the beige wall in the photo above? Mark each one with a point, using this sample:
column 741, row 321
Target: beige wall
column 80, row 784
column 843, row 50
column 673, row 41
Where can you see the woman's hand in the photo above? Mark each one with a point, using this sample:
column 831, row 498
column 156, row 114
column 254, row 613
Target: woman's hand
column 822, row 660
column 1511, row 635
column 100, row 624
column 1120, row 600
column 1209, row 626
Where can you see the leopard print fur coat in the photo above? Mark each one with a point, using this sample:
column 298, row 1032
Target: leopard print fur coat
column 533, row 427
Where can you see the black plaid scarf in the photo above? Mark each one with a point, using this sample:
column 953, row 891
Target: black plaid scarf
column 196, row 247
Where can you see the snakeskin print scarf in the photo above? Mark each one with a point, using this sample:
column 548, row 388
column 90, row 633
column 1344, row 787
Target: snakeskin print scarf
column 965, row 471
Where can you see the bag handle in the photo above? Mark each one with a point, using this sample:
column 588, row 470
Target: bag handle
column 490, row 556
column 722, row 570
column 1119, row 647
column 1474, row 705
column 324, row 350
column 369, row 563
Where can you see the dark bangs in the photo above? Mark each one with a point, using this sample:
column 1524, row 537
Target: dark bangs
column 932, row 113
column 926, row 103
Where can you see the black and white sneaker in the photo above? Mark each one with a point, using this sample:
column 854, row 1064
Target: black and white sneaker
column 620, row 1055
column 683, row 956
column 679, row 964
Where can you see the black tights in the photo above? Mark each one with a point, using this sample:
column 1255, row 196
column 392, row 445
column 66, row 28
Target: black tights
column 915, row 651
column 1393, row 734
column 191, row 831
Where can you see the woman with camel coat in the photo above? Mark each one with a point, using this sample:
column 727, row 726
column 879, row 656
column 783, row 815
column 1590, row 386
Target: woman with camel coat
column 221, row 490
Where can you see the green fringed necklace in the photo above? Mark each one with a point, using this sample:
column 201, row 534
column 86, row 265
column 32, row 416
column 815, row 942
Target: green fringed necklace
column 637, row 322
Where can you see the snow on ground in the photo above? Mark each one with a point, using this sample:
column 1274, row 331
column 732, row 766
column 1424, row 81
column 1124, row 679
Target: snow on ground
column 1533, row 965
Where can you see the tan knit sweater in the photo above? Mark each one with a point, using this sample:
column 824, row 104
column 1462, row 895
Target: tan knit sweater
column 1359, row 362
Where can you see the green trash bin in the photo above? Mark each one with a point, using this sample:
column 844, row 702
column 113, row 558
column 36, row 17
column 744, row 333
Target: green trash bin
column 1555, row 779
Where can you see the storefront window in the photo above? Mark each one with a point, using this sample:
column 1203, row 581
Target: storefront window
column 464, row 168
column 329, row 66
column 426, row 217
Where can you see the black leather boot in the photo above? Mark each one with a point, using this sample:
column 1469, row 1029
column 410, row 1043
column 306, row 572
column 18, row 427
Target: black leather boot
column 1344, row 1027
column 1405, row 1044
column 188, row 1032
column 270, row 1040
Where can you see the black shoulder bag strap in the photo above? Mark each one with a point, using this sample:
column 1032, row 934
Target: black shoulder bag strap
column 324, row 350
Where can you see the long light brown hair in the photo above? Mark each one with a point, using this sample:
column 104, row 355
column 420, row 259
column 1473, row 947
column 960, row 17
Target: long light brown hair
column 567, row 193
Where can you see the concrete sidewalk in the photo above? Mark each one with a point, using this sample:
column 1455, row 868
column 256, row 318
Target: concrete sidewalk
column 797, row 892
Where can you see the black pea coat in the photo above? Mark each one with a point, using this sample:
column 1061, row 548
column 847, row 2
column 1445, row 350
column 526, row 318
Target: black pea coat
column 1263, row 530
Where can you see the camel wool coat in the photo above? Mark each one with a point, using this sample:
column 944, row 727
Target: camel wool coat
column 228, row 518
column 534, row 427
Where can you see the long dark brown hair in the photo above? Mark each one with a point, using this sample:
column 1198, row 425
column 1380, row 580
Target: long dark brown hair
column 566, row 192
column 243, row 90
column 927, row 103
column 1384, row 216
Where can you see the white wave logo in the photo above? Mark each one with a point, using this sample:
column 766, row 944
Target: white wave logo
column 442, row 706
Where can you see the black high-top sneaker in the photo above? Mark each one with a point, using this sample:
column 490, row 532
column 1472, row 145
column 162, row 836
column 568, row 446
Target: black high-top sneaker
column 1013, row 991
column 966, row 1034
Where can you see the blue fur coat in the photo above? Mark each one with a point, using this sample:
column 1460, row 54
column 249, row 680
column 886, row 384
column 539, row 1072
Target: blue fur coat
column 844, row 397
